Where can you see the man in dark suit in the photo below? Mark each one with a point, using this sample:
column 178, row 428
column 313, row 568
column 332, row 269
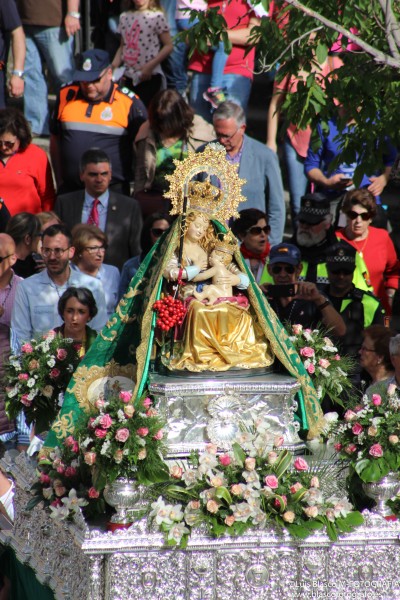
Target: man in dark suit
column 117, row 215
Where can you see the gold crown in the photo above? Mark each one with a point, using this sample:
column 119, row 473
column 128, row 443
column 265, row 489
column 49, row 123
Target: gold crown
column 226, row 243
column 217, row 202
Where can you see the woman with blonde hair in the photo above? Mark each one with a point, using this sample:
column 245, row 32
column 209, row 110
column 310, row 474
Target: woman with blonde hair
column 90, row 245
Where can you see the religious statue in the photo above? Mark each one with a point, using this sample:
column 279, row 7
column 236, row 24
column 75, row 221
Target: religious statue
column 228, row 325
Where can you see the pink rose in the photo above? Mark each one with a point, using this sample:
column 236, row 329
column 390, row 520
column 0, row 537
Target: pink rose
column 125, row 397
column 93, row 493
column 54, row 373
column 159, row 435
column 271, row 481
column 212, row 506
column 99, row 404
column 25, row 400
column 337, row 446
column 60, row 469
column 337, row 357
column 310, row 369
column 300, row 464
column 350, row 449
column 70, row 472
column 26, row 348
column 278, row 441
column 376, row 400
column 176, row 472
column 23, row 376
column 44, row 478
column 376, row 451
column 147, row 402
column 100, row 433
column 314, row 482
column 121, row 435
column 69, row 441
column 229, row 520
column 349, row 415
column 295, row 487
column 194, row 505
column 60, row 490
column 61, row 354
column 49, row 335
column 324, row 363
column 224, row 460
column 357, row 429
column 142, row 431
column 297, row 328
column 272, row 457
column 307, row 352
column 106, row 421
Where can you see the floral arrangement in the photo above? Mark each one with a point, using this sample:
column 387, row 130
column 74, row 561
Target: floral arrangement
column 251, row 485
column 121, row 438
column 369, row 437
column 64, row 483
column 35, row 378
column 117, row 439
column 328, row 369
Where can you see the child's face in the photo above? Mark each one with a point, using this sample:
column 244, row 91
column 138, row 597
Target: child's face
column 141, row 4
column 220, row 257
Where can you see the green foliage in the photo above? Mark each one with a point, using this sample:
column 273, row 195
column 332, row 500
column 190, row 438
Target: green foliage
column 366, row 83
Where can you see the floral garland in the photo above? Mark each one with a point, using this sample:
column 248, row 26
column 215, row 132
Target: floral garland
column 252, row 485
column 369, row 437
column 328, row 369
column 35, row 378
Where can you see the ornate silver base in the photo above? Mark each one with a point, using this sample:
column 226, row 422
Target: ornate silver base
column 81, row 562
column 201, row 410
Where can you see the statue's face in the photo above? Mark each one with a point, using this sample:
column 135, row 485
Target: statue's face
column 197, row 228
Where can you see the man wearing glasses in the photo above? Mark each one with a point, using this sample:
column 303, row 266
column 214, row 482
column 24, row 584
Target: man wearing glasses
column 298, row 302
column 257, row 164
column 118, row 216
column 93, row 112
column 35, row 305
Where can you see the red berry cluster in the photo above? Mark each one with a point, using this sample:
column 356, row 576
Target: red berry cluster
column 170, row 311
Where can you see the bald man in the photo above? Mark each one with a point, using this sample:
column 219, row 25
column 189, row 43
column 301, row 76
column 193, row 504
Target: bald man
column 9, row 282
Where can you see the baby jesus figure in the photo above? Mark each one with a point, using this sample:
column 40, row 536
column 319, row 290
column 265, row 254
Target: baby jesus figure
column 224, row 276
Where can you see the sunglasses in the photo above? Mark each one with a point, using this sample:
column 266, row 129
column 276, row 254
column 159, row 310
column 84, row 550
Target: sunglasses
column 289, row 269
column 258, row 230
column 157, row 232
column 7, row 144
column 4, row 258
column 352, row 214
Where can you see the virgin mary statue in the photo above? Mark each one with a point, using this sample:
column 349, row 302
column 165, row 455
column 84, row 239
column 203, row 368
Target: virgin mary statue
column 228, row 326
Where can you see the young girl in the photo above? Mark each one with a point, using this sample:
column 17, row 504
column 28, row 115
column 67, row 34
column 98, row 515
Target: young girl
column 145, row 43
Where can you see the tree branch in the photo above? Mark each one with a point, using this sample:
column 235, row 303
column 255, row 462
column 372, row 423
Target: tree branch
column 392, row 27
column 379, row 57
column 266, row 68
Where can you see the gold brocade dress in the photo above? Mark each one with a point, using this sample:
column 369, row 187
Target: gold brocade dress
column 220, row 336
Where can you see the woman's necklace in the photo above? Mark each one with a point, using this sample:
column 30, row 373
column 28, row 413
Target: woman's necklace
column 356, row 242
column 2, row 306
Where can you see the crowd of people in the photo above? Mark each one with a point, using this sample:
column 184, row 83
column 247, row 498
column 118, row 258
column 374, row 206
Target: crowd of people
column 77, row 221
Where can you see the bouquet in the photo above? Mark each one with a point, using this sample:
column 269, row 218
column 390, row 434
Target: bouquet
column 369, row 437
column 329, row 371
column 121, row 438
column 35, row 378
column 64, row 483
column 251, row 485
column 117, row 439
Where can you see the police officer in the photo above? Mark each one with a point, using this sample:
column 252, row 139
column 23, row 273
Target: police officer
column 359, row 308
column 93, row 112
